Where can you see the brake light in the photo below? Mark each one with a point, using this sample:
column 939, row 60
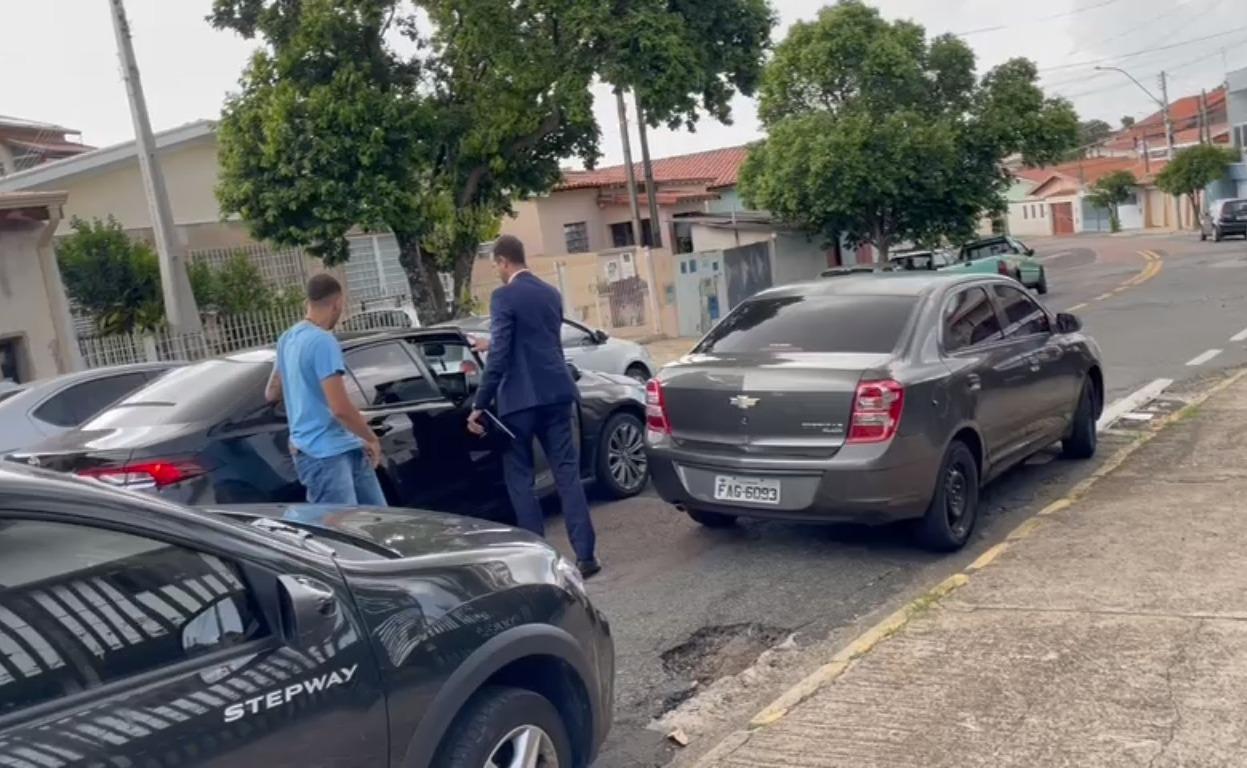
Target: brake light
column 146, row 474
column 656, row 408
column 1002, row 267
column 877, row 409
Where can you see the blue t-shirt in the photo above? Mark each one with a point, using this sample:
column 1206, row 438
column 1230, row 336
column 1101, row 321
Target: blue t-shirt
column 306, row 356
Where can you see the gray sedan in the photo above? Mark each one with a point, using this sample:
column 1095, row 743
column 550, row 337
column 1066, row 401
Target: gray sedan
column 871, row 398
column 31, row 413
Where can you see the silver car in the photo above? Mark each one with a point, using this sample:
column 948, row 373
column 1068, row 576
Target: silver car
column 31, row 413
column 588, row 349
column 871, row 399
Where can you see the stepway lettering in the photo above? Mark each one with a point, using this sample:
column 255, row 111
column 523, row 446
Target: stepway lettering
column 283, row 696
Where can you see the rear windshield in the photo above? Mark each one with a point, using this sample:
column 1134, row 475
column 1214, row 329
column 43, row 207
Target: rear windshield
column 207, row 391
column 852, row 324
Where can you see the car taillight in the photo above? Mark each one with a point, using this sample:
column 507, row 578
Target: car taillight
column 877, row 409
column 146, row 474
column 1002, row 267
column 656, row 408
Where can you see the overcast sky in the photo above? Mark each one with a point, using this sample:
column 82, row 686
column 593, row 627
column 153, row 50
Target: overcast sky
column 60, row 63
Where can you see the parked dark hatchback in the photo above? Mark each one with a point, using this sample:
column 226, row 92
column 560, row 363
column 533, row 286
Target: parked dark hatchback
column 204, row 433
column 871, row 399
column 137, row 632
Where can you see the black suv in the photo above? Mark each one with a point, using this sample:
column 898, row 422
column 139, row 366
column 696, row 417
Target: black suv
column 136, row 632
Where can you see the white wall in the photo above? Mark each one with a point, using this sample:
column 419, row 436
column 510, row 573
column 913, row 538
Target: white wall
column 24, row 311
column 1030, row 218
column 797, row 258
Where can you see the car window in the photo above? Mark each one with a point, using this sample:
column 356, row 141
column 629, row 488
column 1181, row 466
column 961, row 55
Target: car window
column 207, row 391
column 812, row 324
column 389, row 376
column 74, row 405
column 970, row 319
column 1234, row 208
column 83, row 607
column 1023, row 316
column 454, row 365
column 574, row 336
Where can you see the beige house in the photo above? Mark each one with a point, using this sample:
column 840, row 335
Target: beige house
column 106, row 182
column 36, row 332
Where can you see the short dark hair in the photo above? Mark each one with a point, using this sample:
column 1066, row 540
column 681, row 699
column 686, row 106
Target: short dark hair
column 323, row 287
column 508, row 248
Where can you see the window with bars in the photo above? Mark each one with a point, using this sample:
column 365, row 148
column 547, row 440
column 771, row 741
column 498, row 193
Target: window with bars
column 576, row 237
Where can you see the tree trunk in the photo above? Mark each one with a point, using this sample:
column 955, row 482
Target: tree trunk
column 461, row 305
column 882, row 242
column 423, row 280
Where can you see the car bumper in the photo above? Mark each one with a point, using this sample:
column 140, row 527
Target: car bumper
column 1232, row 228
column 861, row 484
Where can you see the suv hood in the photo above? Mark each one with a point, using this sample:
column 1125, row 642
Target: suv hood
column 401, row 533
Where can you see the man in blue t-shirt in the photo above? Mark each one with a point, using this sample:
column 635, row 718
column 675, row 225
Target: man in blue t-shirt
column 335, row 452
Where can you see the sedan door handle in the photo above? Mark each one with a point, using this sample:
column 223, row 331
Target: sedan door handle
column 975, row 382
column 382, row 429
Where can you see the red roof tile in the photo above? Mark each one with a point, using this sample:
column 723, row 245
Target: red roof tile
column 1092, row 169
column 714, row 168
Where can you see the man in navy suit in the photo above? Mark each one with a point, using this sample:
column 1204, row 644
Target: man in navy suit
column 527, row 380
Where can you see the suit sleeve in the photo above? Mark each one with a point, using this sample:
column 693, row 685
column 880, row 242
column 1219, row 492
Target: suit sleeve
column 501, row 348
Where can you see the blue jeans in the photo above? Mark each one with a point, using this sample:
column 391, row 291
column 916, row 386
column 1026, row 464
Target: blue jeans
column 552, row 426
column 347, row 478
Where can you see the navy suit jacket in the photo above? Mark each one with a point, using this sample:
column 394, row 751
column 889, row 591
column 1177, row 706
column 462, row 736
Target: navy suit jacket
column 526, row 367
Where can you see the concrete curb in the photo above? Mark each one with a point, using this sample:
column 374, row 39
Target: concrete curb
column 867, row 641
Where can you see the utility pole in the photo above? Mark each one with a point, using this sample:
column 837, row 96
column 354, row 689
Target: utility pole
column 180, row 309
column 1205, row 130
column 622, row 107
column 655, row 227
column 1164, row 104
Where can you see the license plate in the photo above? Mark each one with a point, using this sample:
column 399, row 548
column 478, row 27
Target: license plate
column 750, row 490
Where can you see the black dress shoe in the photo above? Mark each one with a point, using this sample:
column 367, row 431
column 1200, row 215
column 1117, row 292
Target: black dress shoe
column 589, row 568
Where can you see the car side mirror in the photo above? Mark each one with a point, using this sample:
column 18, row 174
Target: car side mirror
column 1067, row 323
column 1030, row 251
column 574, row 370
column 309, row 610
column 599, row 337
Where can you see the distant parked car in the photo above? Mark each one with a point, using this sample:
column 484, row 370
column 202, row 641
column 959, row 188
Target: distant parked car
column 590, row 350
column 1002, row 255
column 31, row 413
column 919, row 261
column 871, row 399
column 380, row 318
column 1225, row 218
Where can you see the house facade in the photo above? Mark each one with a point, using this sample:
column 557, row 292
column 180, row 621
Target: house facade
column 25, row 144
column 1236, row 85
column 36, row 332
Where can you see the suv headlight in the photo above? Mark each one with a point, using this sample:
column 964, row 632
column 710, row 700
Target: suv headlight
column 569, row 576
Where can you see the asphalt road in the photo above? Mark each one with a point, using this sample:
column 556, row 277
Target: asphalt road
column 690, row 606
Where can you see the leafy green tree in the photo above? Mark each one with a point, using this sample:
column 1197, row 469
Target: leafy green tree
column 878, row 134
column 110, row 276
column 1090, row 134
column 335, row 129
column 1193, row 169
column 1127, row 122
column 1110, row 192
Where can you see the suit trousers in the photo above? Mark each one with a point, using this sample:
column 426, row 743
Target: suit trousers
column 551, row 425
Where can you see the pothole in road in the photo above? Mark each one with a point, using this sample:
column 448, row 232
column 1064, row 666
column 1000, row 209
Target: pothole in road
column 713, row 653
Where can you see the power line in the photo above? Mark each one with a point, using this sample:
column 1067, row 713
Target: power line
column 1118, row 86
column 1040, row 20
column 1145, row 51
column 1136, row 27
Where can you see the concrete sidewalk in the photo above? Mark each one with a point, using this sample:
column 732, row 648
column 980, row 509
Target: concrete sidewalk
column 1110, row 632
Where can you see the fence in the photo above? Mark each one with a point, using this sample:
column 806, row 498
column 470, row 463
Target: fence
column 280, row 267
column 223, row 335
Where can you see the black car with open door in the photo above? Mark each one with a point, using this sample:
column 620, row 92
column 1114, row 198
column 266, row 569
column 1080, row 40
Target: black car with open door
column 204, row 434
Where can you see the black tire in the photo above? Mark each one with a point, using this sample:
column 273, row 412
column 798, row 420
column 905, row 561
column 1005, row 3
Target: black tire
column 622, row 467
column 1042, row 287
column 1216, row 235
column 1203, row 236
column 638, row 372
column 712, row 519
column 478, row 733
column 954, row 509
column 1082, row 440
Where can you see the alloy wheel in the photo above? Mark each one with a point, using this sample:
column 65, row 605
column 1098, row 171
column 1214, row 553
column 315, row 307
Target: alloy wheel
column 525, row 747
column 625, row 450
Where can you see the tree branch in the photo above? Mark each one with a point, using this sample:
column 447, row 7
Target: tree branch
column 472, row 184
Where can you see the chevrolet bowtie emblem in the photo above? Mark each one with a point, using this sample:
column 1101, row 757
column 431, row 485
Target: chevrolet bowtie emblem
column 744, row 402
